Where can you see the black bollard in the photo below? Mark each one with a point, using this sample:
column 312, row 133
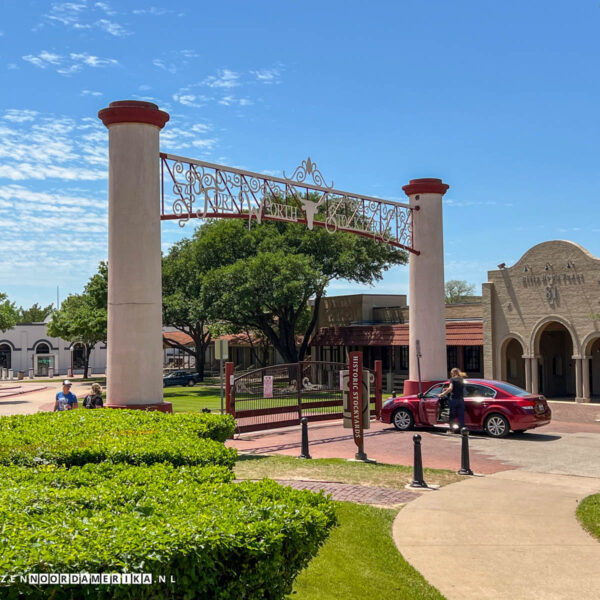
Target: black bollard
column 418, row 480
column 304, row 453
column 465, row 467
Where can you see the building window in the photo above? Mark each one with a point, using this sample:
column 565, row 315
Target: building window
column 451, row 357
column 404, row 358
column 473, row 359
column 42, row 349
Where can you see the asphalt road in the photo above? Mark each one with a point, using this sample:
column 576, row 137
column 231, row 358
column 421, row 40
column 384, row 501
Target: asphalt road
column 546, row 450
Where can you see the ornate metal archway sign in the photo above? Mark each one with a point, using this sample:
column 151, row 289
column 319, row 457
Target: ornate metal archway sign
column 196, row 189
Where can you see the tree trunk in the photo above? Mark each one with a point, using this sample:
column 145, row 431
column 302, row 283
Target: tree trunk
column 200, row 362
column 86, row 363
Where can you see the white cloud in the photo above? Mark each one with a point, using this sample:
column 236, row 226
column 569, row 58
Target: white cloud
column 38, row 147
column 67, row 65
column 225, row 78
column 19, row 116
column 232, row 100
column 112, row 28
column 43, row 59
column 81, row 16
column 161, row 64
column 193, row 100
column 267, row 76
column 153, row 10
column 106, row 8
column 90, row 93
column 189, row 53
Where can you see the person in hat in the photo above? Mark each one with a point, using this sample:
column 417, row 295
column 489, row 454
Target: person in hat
column 65, row 399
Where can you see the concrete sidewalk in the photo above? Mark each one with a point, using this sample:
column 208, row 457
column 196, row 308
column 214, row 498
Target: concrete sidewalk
column 510, row 535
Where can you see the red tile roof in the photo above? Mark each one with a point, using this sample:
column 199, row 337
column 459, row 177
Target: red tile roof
column 459, row 333
column 237, row 339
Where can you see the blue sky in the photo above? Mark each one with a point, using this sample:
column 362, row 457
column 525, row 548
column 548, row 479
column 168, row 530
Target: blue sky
column 499, row 99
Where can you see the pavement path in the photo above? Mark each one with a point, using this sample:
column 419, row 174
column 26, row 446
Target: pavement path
column 25, row 398
column 511, row 535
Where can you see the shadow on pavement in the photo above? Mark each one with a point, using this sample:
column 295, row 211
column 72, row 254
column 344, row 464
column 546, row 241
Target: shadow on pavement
column 13, row 401
column 535, row 437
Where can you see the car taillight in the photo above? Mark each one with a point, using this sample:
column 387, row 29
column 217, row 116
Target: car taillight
column 523, row 402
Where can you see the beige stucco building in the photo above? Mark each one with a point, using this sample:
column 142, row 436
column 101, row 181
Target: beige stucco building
column 541, row 321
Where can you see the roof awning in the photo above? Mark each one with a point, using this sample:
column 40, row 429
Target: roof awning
column 463, row 333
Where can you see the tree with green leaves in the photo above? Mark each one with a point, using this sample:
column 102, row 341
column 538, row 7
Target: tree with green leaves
column 8, row 313
column 182, row 275
column 270, row 271
column 458, row 291
column 34, row 314
column 83, row 317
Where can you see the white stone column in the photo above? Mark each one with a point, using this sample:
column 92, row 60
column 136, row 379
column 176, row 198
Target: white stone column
column 578, row 379
column 527, row 373
column 427, row 318
column 535, row 379
column 585, row 378
column 134, row 361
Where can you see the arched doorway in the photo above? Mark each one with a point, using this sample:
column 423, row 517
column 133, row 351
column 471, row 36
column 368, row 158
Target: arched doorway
column 5, row 356
column 44, row 361
column 594, row 353
column 513, row 364
column 556, row 367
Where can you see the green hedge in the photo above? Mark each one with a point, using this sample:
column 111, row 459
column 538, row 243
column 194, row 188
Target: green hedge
column 216, row 539
column 136, row 437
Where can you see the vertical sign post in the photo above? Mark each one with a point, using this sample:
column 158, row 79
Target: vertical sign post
column 230, row 406
column 221, row 352
column 355, row 393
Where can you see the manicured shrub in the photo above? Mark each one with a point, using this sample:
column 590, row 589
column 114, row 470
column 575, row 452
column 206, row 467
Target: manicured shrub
column 215, row 539
column 135, row 437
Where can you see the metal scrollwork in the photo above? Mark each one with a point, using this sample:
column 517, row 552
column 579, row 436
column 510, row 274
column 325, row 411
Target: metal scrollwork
column 308, row 167
column 196, row 189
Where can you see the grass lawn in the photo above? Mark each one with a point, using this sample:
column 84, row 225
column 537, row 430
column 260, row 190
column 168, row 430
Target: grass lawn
column 252, row 466
column 588, row 513
column 359, row 560
column 194, row 399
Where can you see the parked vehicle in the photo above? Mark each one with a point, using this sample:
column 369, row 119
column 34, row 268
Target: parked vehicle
column 180, row 378
column 495, row 407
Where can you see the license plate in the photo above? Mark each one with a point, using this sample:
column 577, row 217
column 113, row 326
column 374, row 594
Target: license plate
column 540, row 407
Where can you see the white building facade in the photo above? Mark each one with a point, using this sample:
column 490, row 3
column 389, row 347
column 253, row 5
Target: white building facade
column 28, row 348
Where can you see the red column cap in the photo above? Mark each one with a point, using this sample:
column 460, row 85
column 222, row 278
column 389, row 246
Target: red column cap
column 428, row 185
column 133, row 111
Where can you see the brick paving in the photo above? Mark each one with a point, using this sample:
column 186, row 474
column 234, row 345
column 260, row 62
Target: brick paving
column 347, row 492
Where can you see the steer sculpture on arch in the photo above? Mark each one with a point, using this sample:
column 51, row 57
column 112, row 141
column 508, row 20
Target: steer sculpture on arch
column 147, row 186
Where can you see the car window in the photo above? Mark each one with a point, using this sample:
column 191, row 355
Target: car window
column 513, row 390
column 479, row 391
column 436, row 390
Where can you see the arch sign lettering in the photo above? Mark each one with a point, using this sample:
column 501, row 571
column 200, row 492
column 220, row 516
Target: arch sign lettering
column 196, row 189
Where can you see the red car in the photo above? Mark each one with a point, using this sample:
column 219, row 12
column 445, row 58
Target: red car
column 495, row 407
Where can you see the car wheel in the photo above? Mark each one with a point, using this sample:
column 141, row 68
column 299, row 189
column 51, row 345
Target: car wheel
column 403, row 419
column 497, row 425
column 191, row 382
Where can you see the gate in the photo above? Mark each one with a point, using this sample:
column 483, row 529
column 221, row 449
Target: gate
column 308, row 389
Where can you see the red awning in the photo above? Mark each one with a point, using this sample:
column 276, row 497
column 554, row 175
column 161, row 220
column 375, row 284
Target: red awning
column 459, row 333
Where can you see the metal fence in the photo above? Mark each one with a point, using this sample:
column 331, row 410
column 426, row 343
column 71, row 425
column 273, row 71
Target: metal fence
column 308, row 389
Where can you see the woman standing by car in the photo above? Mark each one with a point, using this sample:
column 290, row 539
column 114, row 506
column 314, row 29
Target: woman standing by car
column 456, row 390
